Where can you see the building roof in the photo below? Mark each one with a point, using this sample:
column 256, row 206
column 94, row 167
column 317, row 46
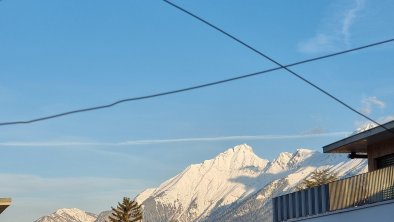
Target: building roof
column 358, row 142
column 4, row 203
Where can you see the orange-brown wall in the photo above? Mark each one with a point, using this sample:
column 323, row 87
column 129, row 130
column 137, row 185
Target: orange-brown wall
column 378, row 150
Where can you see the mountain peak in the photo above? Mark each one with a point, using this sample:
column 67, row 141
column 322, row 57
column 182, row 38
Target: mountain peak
column 236, row 157
column 286, row 160
column 244, row 148
column 283, row 157
column 69, row 215
column 228, row 177
column 68, row 210
column 238, row 152
column 364, row 127
column 303, row 150
column 300, row 156
column 303, row 154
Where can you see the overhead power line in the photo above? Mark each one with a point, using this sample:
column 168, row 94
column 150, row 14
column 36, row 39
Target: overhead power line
column 277, row 63
column 193, row 87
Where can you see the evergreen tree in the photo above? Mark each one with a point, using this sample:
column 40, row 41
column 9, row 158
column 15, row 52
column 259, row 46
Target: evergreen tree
column 127, row 211
column 317, row 178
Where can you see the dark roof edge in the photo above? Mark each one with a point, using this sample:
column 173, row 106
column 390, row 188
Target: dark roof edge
column 359, row 136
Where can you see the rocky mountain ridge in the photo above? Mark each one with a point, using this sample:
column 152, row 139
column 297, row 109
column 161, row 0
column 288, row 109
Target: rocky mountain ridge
column 236, row 185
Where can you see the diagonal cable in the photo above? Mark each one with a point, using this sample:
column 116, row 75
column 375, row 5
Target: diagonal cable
column 277, row 63
column 196, row 86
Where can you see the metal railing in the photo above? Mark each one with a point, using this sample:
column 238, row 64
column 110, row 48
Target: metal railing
column 355, row 191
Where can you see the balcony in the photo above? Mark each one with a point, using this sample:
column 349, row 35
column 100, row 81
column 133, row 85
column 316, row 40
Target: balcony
column 363, row 189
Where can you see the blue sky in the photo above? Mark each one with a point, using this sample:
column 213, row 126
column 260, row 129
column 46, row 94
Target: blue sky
column 57, row 56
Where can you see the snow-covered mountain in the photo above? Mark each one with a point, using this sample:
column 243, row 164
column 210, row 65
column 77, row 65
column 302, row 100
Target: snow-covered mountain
column 364, row 127
column 69, row 215
column 236, row 185
column 103, row 216
column 201, row 188
column 284, row 178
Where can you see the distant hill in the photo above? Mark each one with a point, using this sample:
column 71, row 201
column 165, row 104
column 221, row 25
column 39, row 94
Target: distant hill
column 69, row 215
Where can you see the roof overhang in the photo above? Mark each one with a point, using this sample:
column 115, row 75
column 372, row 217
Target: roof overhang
column 358, row 143
column 4, row 203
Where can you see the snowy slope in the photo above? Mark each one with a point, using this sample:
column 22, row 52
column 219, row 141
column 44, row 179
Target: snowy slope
column 237, row 185
column 68, row 215
column 200, row 188
column 364, row 127
column 103, row 216
column 258, row 207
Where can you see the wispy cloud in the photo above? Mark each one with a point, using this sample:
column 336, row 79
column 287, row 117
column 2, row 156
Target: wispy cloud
column 349, row 18
column 226, row 138
column 321, row 42
column 338, row 33
column 315, row 131
column 178, row 140
column 369, row 103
